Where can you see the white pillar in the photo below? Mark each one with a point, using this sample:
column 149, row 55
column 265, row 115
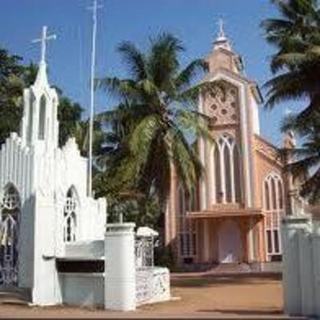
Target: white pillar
column 291, row 270
column 46, row 289
column 306, row 271
column 120, row 270
column 316, row 270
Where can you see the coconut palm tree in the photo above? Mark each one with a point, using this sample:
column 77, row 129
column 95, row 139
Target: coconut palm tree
column 296, row 68
column 296, row 64
column 153, row 125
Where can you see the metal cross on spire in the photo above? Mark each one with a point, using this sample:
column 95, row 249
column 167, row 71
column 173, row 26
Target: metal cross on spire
column 43, row 40
column 221, row 40
column 221, row 33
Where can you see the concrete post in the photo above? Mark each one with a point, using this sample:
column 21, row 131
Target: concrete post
column 291, row 269
column 316, row 269
column 306, row 271
column 120, row 270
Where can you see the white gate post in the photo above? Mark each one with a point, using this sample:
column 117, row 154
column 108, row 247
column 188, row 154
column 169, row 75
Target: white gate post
column 306, row 271
column 291, row 259
column 316, row 269
column 120, row 269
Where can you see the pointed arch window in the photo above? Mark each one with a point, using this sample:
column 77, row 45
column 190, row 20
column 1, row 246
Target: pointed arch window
column 227, row 170
column 186, row 227
column 10, row 208
column 71, row 207
column 274, row 210
column 42, row 118
column 30, row 117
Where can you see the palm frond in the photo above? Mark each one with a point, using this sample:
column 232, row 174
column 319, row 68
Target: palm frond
column 186, row 76
column 134, row 59
column 118, row 88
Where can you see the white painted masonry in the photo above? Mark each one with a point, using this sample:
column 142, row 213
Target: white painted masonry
column 42, row 174
column 120, row 274
column 301, row 265
column 43, row 196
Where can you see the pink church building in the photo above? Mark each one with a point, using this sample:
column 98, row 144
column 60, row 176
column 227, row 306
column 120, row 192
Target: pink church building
column 234, row 213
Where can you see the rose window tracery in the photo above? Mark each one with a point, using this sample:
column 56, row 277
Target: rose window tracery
column 222, row 105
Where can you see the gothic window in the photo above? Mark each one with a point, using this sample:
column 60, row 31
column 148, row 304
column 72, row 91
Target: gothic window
column 186, row 227
column 42, row 118
column 70, row 217
column 237, row 171
column 217, row 173
column 9, row 231
column 274, row 209
column 226, row 170
column 30, row 117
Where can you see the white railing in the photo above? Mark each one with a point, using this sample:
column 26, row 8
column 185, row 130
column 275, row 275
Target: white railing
column 152, row 283
column 144, row 251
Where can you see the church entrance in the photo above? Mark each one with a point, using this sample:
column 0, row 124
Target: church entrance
column 9, row 231
column 229, row 242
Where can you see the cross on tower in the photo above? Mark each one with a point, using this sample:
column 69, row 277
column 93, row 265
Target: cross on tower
column 221, row 33
column 43, row 40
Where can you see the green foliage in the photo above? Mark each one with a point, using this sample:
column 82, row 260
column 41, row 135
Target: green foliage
column 164, row 257
column 296, row 66
column 152, row 128
column 69, row 116
column 296, row 63
column 13, row 78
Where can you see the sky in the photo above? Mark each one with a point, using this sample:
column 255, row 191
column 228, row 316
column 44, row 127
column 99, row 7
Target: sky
column 192, row 21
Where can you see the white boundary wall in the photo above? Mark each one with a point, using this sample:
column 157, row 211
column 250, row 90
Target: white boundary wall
column 301, row 265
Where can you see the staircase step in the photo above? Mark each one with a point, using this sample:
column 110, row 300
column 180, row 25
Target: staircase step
column 14, row 296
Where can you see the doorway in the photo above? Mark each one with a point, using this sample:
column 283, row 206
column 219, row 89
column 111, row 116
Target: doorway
column 229, row 238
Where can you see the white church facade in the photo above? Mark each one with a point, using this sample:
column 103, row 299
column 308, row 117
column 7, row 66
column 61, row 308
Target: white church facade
column 44, row 202
column 55, row 244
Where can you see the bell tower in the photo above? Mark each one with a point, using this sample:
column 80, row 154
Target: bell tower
column 231, row 104
column 39, row 123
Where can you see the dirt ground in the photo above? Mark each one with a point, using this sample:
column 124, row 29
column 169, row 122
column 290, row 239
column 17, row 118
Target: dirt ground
column 222, row 297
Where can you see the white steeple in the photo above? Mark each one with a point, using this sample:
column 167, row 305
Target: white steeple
column 39, row 123
column 221, row 40
column 42, row 78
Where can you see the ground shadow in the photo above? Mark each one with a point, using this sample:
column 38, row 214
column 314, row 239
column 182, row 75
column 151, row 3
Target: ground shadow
column 244, row 312
column 222, row 280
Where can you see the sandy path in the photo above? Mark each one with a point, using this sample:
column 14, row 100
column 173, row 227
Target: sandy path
column 242, row 297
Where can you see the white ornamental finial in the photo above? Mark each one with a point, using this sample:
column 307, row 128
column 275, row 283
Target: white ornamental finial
column 221, row 40
column 221, row 33
column 43, row 40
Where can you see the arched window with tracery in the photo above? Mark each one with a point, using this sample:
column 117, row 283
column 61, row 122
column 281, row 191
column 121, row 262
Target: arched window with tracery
column 227, row 170
column 42, row 118
column 186, row 227
column 70, row 210
column 10, row 209
column 30, row 117
column 273, row 205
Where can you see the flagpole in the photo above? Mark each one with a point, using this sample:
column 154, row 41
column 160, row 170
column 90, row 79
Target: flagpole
column 93, row 65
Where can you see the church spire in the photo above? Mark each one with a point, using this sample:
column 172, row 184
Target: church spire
column 40, row 125
column 221, row 40
column 42, row 71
